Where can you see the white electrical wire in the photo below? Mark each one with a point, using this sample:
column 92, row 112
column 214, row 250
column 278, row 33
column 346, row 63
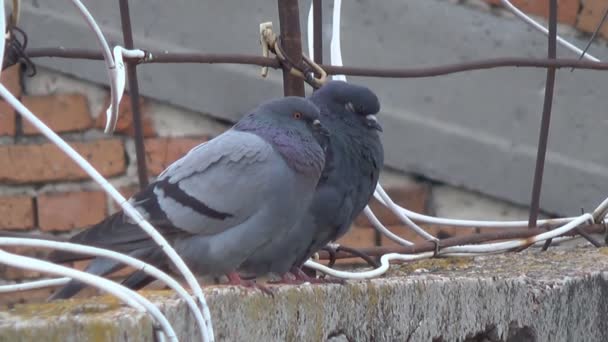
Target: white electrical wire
column 3, row 26
column 380, row 193
column 33, row 285
column 470, row 223
column 384, row 266
column 601, row 210
column 465, row 250
column 128, row 296
column 521, row 15
column 382, row 229
column 335, row 45
column 125, row 259
column 119, row 83
column 113, row 72
column 310, row 39
column 507, row 245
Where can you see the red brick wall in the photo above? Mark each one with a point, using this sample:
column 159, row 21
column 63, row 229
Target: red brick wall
column 585, row 15
column 29, row 164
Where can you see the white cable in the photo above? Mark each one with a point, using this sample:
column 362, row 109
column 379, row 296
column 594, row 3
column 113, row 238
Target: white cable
column 122, row 258
column 335, row 45
column 380, row 193
column 466, row 250
column 507, row 245
column 521, row 15
column 3, row 26
column 310, row 39
column 113, row 73
column 384, row 266
column 128, row 296
column 382, row 229
column 600, row 212
column 120, row 82
column 32, row 285
column 471, row 223
column 126, row 206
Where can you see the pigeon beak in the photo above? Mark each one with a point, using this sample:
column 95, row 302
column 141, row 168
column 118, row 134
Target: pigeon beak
column 372, row 122
column 319, row 127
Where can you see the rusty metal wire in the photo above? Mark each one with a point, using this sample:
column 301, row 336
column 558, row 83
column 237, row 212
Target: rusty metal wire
column 413, row 72
column 476, row 238
column 543, row 136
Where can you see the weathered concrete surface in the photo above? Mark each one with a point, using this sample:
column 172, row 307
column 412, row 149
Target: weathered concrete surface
column 560, row 295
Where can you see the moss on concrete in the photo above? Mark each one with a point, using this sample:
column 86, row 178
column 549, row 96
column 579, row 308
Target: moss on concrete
column 559, row 295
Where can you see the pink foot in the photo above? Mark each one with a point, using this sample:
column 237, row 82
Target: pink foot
column 235, row 279
column 300, row 275
column 287, row 278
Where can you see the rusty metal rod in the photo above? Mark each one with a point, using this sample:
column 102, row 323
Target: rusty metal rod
column 545, row 120
column 414, row 72
column 140, row 152
column 317, row 25
column 291, row 41
column 429, row 246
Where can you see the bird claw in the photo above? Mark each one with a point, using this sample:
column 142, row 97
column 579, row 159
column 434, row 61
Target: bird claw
column 235, row 280
column 297, row 277
column 287, row 278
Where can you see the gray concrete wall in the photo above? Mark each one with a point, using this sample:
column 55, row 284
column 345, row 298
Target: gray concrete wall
column 477, row 130
column 559, row 295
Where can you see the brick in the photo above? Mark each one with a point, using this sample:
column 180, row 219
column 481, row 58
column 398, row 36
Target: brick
column 357, row 237
column 120, row 274
column 16, row 212
column 11, row 79
column 61, row 112
column 37, row 163
column 414, row 196
column 161, row 152
column 7, row 119
column 567, row 10
column 10, row 299
column 591, row 15
column 68, row 210
column 28, row 251
column 124, row 125
column 12, row 273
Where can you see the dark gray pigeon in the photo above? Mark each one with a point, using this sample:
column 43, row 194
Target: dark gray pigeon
column 354, row 158
column 223, row 200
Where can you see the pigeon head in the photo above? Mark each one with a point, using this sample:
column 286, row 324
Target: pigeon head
column 295, row 111
column 340, row 96
column 289, row 113
column 292, row 125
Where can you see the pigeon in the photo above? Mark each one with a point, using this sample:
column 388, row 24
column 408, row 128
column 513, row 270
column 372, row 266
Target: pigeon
column 223, row 200
column 354, row 159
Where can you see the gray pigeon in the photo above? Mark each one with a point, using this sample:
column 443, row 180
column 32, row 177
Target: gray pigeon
column 224, row 199
column 354, row 158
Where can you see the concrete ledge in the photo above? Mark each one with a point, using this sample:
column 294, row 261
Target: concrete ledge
column 560, row 295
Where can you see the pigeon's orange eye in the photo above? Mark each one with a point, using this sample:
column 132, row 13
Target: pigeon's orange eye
column 297, row 115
